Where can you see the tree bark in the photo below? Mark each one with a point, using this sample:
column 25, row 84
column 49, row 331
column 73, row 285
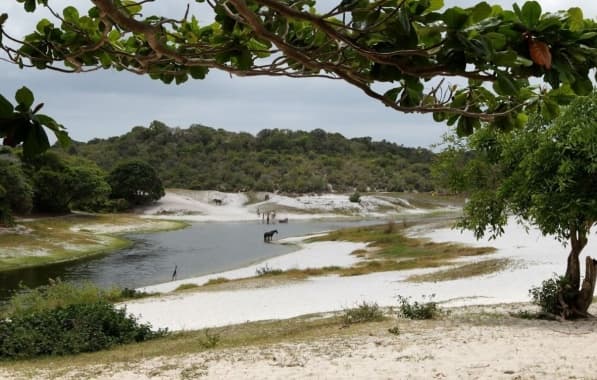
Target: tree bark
column 578, row 240
column 585, row 296
column 575, row 299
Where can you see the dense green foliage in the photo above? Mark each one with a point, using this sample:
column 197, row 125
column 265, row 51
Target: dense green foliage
column 546, row 296
column 61, row 183
column 292, row 161
column 418, row 310
column 23, row 124
column 544, row 174
column 69, row 330
column 62, row 318
column 16, row 194
column 136, row 182
column 363, row 312
column 54, row 182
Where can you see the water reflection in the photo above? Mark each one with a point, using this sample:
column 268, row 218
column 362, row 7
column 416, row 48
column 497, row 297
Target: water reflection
column 202, row 248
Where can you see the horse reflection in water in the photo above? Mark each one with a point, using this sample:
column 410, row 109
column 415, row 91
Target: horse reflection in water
column 267, row 236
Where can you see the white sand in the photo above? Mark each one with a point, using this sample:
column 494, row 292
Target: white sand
column 537, row 258
column 199, row 206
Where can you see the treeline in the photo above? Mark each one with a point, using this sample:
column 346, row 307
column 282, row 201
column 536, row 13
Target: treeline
column 200, row 157
column 55, row 183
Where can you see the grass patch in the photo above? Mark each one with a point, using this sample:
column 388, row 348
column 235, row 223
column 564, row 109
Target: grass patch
column 266, row 270
column 58, row 294
column 418, row 310
column 216, row 281
column 183, row 287
column 464, row 271
column 71, row 237
column 364, row 312
column 394, row 251
column 300, row 329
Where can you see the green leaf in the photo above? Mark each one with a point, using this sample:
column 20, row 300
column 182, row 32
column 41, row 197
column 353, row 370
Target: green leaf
column 506, row 86
column 481, row 11
column 562, row 95
column 47, row 121
column 30, row 5
column 131, row 7
column 582, row 86
column 505, row 58
column 576, row 19
column 24, row 97
column 434, row 5
column 455, row 18
column 71, row 14
column 42, row 25
column 530, row 14
column 392, row 94
column 63, row 138
column 6, row 108
column 36, row 141
column 496, row 40
column 466, row 126
column 549, row 110
column 198, row 72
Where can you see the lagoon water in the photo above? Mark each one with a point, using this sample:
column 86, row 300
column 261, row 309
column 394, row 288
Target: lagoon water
column 200, row 249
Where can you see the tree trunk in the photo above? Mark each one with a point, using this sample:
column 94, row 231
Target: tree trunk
column 574, row 299
column 585, row 295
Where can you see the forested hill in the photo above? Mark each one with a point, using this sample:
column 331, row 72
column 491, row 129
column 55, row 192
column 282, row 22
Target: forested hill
column 200, row 157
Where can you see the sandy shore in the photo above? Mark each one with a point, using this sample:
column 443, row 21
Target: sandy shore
column 535, row 259
column 474, row 342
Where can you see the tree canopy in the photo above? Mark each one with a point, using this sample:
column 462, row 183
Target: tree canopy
column 201, row 157
column 545, row 175
column 136, row 182
column 411, row 55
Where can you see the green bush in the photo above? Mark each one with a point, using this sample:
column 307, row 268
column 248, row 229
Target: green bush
column 365, row 312
column 69, row 330
column 416, row 310
column 61, row 294
column 355, row 197
column 546, row 295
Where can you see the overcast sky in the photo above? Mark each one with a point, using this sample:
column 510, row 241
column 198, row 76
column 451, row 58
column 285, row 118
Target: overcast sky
column 109, row 103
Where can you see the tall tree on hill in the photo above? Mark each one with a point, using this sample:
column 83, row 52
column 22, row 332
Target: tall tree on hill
column 136, row 182
column 400, row 53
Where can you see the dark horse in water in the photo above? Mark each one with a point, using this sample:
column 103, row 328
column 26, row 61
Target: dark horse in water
column 267, row 237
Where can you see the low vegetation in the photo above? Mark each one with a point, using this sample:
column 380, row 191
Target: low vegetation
column 546, row 296
column 418, row 310
column 464, row 271
column 62, row 319
column 364, row 312
column 49, row 240
column 58, row 294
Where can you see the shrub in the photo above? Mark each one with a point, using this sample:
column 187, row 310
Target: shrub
column 185, row 287
column 355, row 197
column 416, row 310
column 268, row 271
column 365, row 312
column 61, row 294
column 211, row 340
column 546, row 295
column 69, row 330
